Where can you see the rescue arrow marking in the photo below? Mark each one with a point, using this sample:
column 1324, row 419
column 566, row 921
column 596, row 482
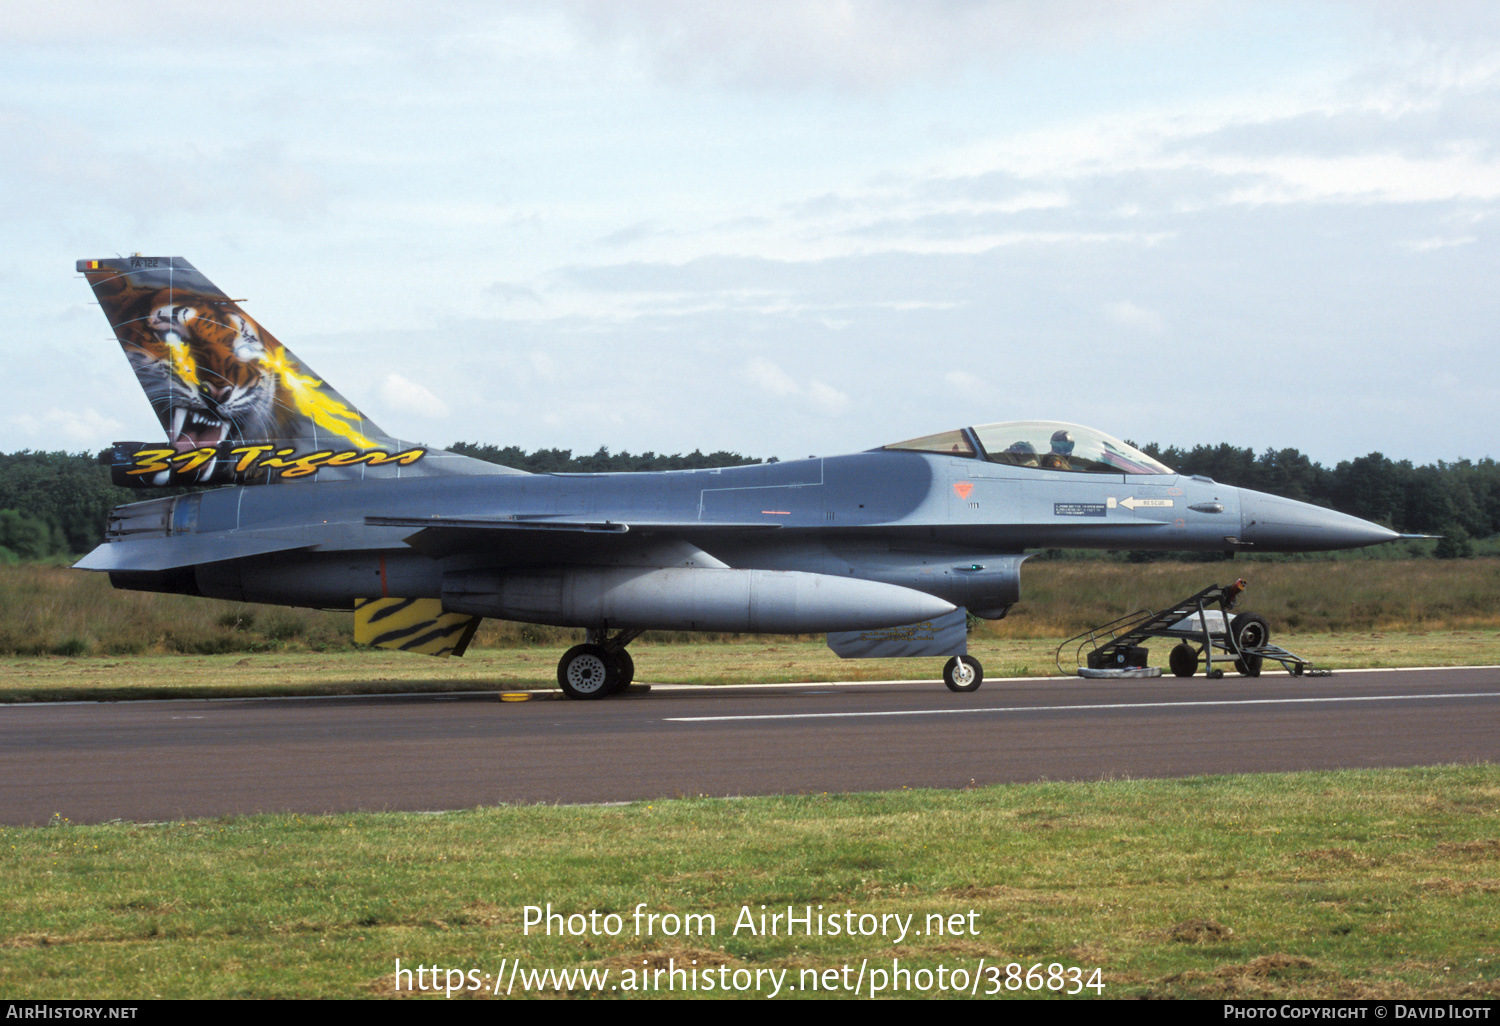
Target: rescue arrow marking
column 1134, row 504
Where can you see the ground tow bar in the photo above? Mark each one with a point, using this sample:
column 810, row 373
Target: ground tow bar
column 1201, row 624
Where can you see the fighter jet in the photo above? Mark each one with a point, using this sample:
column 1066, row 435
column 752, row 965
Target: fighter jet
column 317, row 506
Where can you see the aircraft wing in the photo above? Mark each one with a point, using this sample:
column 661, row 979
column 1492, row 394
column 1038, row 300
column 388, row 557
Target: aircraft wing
column 574, row 539
column 563, row 524
column 439, row 536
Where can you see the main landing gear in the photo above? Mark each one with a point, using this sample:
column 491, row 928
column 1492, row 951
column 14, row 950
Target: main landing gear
column 598, row 668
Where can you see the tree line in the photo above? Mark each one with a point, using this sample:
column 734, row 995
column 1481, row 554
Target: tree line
column 55, row 503
column 1458, row 500
column 562, row 461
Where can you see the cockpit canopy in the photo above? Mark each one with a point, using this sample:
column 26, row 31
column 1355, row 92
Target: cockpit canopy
column 1042, row 444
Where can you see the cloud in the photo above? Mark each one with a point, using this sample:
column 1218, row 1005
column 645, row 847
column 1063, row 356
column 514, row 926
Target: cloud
column 963, row 381
column 52, row 162
column 72, row 427
column 827, row 398
column 859, row 44
column 820, row 396
column 410, row 397
column 68, row 21
column 510, row 292
column 631, row 233
column 1440, row 242
column 771, row 378
column 1131, row 316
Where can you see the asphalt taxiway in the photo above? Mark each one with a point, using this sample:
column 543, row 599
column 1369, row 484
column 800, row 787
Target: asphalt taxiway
column 151, row 761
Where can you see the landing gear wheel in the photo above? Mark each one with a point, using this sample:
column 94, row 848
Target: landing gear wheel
column 963, row 673
column 624, row 671
column 1249, row 666
column 587, row 671
column 1183, row 661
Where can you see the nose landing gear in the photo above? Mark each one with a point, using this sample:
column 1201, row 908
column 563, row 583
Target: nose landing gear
column 963, row 673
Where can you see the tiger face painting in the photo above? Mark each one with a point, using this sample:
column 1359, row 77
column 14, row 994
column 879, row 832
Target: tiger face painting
column 237, row 406
column 205, row 368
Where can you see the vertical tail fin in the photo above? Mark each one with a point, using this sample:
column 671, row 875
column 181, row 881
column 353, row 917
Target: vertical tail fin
column 237, row 405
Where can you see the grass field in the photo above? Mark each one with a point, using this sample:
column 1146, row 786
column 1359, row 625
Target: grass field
column 1369, row 884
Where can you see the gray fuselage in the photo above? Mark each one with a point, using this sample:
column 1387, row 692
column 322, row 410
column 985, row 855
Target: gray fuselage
column 953, row 528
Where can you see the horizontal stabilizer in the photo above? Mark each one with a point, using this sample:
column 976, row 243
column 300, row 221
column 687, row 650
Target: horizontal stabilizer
column 180, row 551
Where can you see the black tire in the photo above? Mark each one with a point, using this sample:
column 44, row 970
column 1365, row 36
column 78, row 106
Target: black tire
column 587, row 671
column 963, row 673
column 1249, row 666
column 624, row 670
column 1250, row 630
column 1183, row 661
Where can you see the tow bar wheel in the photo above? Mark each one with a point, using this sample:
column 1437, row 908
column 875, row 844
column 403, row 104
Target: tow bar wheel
column 1250, row 630
column 1183, row 660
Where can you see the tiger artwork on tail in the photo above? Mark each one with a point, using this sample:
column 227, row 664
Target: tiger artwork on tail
column 215, row 378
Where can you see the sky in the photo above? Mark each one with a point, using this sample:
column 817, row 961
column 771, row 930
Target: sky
column 780, row 228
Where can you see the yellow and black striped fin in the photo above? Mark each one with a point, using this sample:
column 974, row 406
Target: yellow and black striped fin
column 412, row 625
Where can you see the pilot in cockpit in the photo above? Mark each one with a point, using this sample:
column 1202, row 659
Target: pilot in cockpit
column 1021, row 454
column 1062, row 449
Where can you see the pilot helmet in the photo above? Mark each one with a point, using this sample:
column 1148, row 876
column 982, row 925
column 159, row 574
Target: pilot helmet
column 1062, row 442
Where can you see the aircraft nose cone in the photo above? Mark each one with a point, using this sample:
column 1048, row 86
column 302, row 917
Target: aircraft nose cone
column 1273, row 524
